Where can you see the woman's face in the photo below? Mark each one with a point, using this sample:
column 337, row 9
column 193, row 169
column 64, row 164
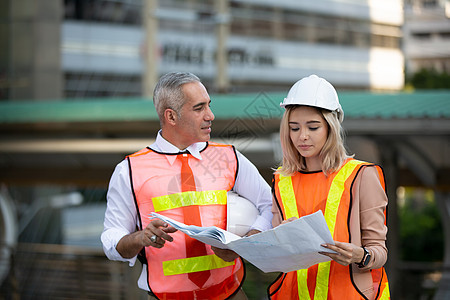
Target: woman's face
column 308, row 132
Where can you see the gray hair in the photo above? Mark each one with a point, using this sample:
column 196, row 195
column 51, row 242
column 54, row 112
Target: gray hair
column 168, row 92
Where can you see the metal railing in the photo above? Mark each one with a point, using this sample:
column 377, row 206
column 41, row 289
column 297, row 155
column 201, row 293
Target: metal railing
column 47, row 271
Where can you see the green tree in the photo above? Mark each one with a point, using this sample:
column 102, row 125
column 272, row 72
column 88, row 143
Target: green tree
column 429, row 79
column 421, row 232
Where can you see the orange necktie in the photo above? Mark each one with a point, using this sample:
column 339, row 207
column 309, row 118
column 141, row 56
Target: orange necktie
column 194, row 248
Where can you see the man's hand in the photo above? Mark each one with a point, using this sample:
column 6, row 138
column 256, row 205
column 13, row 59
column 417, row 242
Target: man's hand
column 225, row 254
column 252, row 232
column 157, row 228
column 130, row 245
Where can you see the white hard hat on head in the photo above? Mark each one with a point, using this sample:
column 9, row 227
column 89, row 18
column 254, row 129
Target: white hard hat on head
column 314, row 91
column 241, row 214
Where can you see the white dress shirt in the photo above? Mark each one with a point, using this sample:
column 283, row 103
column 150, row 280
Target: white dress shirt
column 121, row 216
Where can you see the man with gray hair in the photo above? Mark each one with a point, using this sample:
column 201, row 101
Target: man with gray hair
column 186, row 177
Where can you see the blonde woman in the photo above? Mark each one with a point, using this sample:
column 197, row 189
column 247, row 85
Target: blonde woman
column 317, row 174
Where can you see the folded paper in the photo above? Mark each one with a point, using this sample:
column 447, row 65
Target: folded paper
column 288, row 247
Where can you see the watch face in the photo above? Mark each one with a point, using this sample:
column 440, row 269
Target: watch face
column 366, row 259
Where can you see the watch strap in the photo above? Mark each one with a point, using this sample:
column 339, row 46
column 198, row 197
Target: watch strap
column 363, row 261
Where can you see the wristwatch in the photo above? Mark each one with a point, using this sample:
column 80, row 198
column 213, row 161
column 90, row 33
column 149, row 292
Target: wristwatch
column 365, row 260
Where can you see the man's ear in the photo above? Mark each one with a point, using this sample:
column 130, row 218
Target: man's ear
column 170, row 116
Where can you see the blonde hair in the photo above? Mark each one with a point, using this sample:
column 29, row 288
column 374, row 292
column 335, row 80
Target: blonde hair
column 333, row 153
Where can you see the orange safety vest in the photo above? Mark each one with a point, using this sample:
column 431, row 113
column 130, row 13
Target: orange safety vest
column 302, row 194
column 156, row 187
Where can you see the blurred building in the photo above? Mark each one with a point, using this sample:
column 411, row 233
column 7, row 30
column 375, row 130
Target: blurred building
column 266, row 44
column 426, row 40
column 30, row 55
column 84, row 48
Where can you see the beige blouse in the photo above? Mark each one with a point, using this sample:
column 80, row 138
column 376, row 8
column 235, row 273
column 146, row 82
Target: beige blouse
column 366, row 225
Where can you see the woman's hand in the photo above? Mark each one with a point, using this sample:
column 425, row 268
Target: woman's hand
column 347, row 253
column 289, row 220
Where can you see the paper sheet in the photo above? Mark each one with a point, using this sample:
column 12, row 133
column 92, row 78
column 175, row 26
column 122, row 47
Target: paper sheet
column 288, row 247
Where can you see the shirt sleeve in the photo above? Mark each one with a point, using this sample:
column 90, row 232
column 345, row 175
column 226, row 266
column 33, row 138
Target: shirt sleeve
column 120, row 215
column 251, row 185
column 372, row 205
column 276, row 220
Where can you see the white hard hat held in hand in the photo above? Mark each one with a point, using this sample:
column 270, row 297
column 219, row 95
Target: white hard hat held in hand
column 241, row 214
column 316, row 92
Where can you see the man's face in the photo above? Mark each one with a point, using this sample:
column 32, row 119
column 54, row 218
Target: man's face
column 194, row 124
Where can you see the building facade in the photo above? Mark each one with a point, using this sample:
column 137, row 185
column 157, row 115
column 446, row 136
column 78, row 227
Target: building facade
column 427, row 35
column 234, row 46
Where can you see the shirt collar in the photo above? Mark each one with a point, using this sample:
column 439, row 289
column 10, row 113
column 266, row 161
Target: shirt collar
column 164, row 146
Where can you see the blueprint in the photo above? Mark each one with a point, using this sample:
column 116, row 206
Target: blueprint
column 287, row 247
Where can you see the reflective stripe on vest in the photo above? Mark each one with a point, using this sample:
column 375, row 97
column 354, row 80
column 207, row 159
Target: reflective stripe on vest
column 333, row 199
column 290, row 207
column 189, row 198
column 386, row 295
column 194, row 264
